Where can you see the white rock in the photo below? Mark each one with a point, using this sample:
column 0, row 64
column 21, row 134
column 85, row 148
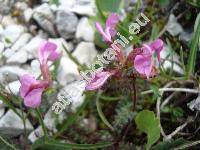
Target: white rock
column 11, row 73
column 12, row 125
column 75, row 91
column 60, row 42
column 6, row 6
column 173, row 27
column 8, row 20
column 45, row 18
column 195, row 104
column 13, row 87
column 2, row 111
column 84, row 30
column 50, row 120
column 81, row 7
column 8, row 53
column 67, row 71
column 165, row 54
column 19, row 57
column 35, row 68
column 12, row 33
column 66, row 23
column 28, row 14
column 37, row 133
column 32, row 46
column 85, row 52
column 23, row 39
column 2, row 105
column 1, row 47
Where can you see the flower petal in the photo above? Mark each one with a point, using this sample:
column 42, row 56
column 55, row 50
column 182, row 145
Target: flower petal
column 157, row 46
column 143, row 65
column 106, row 36
column 33, row 99
column 26, row 82
column 111, row 23
column 98, row 81
column 47, row 51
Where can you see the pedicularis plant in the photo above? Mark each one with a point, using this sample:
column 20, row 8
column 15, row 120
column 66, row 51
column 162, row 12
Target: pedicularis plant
column 140, row 63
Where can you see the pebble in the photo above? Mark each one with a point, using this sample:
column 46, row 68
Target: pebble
column 12, row 125
column 67, row 71
column 44, row 16
column 85, row 52
column 66, row 23
column 13, row 87
column 84, row 30
column 12, row 33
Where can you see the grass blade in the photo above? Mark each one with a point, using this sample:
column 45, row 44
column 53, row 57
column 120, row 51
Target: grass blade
column 194, row 48
column 51, row 144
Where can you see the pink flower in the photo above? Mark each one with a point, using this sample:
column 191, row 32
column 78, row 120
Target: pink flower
column 98, row 81
column 144, row 62
column 110, row 30
column 47, row 51
column 31, row 90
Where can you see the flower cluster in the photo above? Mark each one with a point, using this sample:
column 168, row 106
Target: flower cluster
column 141, row 59
column 31, row 89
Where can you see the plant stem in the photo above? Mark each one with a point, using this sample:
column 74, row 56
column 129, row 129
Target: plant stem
column 39, row 116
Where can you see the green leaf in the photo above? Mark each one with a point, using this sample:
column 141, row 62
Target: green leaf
column 194, row 47
column 149, row 124
column 101, row 115
column 166, row 145
column 51, row 144
column 163, row 2
column 109, row 5
column 55, row 2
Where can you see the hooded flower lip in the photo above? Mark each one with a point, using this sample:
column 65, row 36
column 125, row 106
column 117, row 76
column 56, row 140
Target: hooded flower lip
column 144, row 62
column 110, row 30
column 47, row 51
column 98, row 81
column 31, row 90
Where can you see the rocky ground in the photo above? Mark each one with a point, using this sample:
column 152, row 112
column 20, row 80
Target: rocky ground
column 23, row 26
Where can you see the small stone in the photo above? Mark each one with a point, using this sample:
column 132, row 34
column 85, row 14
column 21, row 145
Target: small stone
column 67, row 71
column 2, row 111
column 165, row 54
column 85, row 30
column 74, row 94
column 1, row 47
column 6, row 6
column 60, row 42
column 28, row 13
column 37, row 133
column 173, row 27
column 13, row 87
column 81, row 7
column 66, row 23
column 32, row 46
column 19, row 57
column 8, row 20
column 11, row 73
column 2, row 105
column 45, row 18
column 35, row 68
column 85, row 53
column 12, row 125
column 23, row 39
column 195, row 104
column 50, row 120
column 12, row 33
